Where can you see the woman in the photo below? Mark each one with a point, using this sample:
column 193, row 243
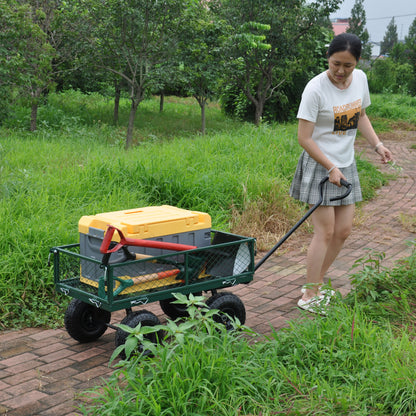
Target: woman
column 332, row 108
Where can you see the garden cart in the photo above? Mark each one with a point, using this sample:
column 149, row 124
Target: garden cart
column 109, row 271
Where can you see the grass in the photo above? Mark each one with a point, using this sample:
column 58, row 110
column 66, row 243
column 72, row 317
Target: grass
column 357, row 360
column 75, row 164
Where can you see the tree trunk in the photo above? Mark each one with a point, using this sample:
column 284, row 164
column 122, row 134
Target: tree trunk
column 117, row 89
column 34, row 115
column 34, row 108
column 136, row 99
column 203, row 105
column 130, row 127
column 258, row 112
column 162, row 101
column 202, row 101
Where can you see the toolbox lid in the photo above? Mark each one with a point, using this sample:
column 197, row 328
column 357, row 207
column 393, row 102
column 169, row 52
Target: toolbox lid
column 148, row 222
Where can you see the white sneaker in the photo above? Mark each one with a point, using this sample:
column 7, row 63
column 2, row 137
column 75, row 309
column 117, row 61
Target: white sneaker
column 325, row 292
column 316, row 304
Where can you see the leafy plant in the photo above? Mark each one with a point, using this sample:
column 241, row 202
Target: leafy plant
column 344, row 363
column 386, row 293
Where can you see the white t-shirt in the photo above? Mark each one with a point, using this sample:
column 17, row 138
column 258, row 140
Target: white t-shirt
column 335, row 113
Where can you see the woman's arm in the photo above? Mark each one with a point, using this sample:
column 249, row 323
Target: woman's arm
column 366, row 129
column 305, row 130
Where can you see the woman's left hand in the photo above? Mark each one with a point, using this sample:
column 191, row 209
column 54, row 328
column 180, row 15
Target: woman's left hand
column 386, row 155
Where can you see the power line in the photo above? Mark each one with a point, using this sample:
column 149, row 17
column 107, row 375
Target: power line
column 390, row 17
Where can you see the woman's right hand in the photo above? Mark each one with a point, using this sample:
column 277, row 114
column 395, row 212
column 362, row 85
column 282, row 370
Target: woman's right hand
column 335, row 177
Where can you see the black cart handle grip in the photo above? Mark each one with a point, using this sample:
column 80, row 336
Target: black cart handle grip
column 336, row 198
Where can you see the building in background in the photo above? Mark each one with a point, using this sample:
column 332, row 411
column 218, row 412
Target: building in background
column 340, row 25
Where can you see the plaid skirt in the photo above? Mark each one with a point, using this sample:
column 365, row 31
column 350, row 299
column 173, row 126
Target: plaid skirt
column 305, row 184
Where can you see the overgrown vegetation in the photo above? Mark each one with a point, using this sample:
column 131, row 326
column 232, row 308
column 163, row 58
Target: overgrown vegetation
column 75, row 165
column 355, row 360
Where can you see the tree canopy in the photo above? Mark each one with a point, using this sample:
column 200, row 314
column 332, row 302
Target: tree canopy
column 390, row 39
column 356, row 26
column 253, row 55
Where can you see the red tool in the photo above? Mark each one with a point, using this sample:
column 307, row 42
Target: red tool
column 125, row 241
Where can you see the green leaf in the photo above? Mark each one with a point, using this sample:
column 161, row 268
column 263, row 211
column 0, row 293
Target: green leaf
column 130, row 345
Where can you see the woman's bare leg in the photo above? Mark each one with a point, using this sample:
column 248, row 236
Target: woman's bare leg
column 344, row 216
column 332, row 226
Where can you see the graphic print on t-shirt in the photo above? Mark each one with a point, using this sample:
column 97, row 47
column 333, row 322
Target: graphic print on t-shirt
column 346, row 117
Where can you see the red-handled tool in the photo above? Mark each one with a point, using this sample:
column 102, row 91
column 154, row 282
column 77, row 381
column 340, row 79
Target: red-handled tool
column 125, row 241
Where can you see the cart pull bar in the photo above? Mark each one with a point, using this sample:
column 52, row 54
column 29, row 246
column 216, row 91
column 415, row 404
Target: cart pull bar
column 311, row 210
column 125, row 241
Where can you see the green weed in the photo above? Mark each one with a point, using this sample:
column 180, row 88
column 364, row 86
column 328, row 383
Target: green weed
column 341, row 364
column 386, row 293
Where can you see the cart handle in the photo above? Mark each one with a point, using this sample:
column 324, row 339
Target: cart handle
column 125, row 241
column 312, row 209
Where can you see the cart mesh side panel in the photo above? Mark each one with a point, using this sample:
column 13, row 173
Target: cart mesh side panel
column 229, row 260
column 68, row 269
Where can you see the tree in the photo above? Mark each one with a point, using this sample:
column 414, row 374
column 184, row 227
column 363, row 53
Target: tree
column 265, row 48
column 131, row 39
column 41, row 54
column 356, row 26
column 201, row 59
column 390, row 38
column 29, row 54
column 11, row 27
column 410, row 42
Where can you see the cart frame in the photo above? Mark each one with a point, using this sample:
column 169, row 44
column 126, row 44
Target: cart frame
column 67, row 281
column 217, row 266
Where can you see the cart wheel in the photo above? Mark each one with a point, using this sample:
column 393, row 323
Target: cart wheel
column 175, row 310
column 133, row 319
column 230, row 304
column 84, row 322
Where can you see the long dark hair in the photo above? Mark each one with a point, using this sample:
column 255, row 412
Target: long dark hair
column 346, row 42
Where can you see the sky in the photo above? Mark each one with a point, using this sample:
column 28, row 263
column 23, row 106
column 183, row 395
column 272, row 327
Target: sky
column 379, row 14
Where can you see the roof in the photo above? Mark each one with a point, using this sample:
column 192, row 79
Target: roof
column 340, row 25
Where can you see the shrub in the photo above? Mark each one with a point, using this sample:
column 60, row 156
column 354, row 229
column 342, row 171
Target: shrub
column 387, row 76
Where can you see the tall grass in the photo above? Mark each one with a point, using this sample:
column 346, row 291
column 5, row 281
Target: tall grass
column 393, row 107
column 75, row 164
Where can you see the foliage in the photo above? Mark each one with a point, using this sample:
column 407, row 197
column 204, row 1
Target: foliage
column 392, row 107
column 283, row 104
column 201, row 324
column 131, row 39
column 270, row 46
column 354, row 360
column 405, row 54
column 397, row 72
column 390, row 38
column 201, row 64
column 356, row 25
column 75, row 165
column 26, row 55
column 387, row 76
column 386, row 293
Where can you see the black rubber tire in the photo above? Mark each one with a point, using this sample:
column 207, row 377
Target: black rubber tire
column 133, row 319
column 84, row 322
column 175, row 310
column 230, row 304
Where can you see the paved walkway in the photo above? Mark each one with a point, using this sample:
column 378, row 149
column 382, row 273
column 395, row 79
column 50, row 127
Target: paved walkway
column 42, row 371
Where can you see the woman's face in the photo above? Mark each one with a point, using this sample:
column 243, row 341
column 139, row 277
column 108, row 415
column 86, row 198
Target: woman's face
column 341, row 65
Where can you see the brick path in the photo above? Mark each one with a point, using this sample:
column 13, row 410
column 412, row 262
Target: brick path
column 42, row 371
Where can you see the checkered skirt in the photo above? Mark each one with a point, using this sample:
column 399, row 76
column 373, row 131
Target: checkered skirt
column 308, row 175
